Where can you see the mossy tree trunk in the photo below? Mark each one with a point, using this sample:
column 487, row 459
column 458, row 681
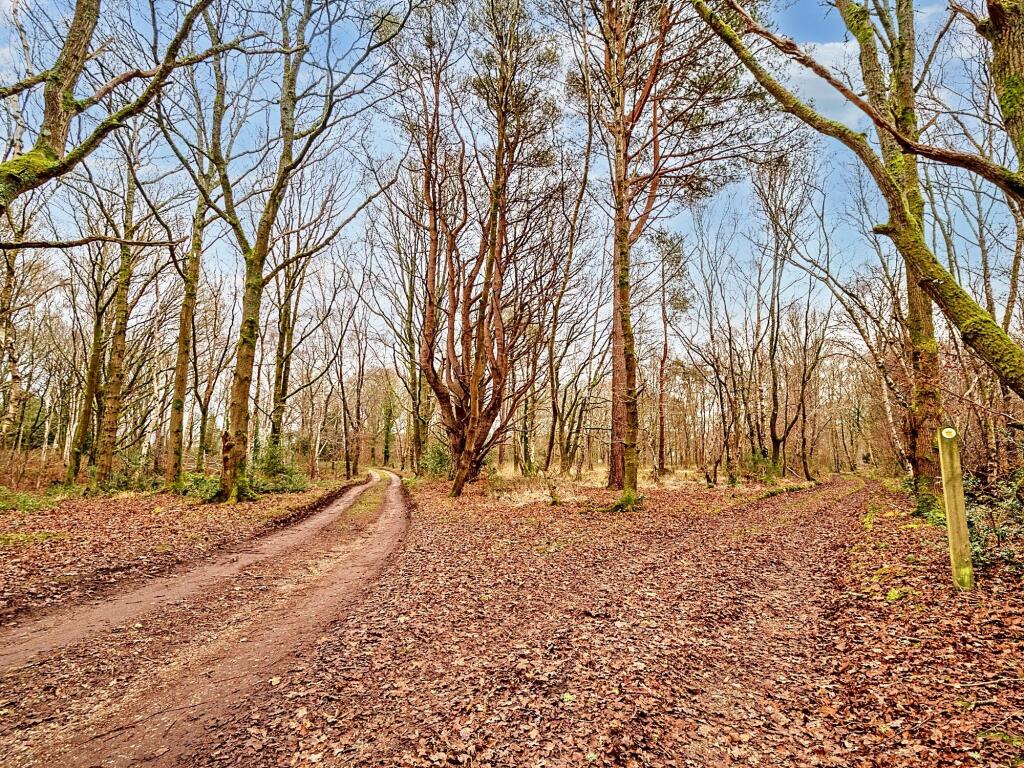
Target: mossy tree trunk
column 50, row 157
column 1004, row 29
column 630, row 414
column 24, row 172
column 203, row 441
column 183, row 348
column 114, row 387
column 235, row 449
column 893, row 93
column 978, row 329
column 235, row 446
column 623, row 461
column 657, row 128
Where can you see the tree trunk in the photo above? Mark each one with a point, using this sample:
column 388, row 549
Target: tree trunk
column 1004, row 29
column 8, row 350
column 630, row 425
column 113, row 391
column 925, row 407
column 616, row 445
column 25, row 172
column 282, row 367
column 85, row 416
column 662, row 365
column 461, row 475
column 899, row 97
column 190, row 285
column 235, row 450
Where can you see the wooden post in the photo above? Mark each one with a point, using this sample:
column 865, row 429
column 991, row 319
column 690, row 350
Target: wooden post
column 956, row 513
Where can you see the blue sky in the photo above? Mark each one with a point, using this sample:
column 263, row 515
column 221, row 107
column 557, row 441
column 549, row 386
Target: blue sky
column 810, row 21
column 818, row 28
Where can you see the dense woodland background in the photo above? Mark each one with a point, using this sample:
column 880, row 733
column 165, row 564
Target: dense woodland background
column 251, row 244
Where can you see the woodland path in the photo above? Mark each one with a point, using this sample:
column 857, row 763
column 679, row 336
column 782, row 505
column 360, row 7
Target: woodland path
column 133, row 679
column 714, row 627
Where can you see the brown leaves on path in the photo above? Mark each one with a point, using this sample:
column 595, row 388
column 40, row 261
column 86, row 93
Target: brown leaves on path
column 144, row 691
column 684, row 635
column 83, row 547
column 711, row 628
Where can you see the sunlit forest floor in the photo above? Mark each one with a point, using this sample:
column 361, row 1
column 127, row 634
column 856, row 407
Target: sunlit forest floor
column 524, row 624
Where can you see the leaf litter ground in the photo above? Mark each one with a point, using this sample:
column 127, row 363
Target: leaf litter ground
column 708, row 629
column 713, row 627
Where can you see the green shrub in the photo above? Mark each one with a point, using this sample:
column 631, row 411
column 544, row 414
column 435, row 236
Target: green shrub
column 995, row 519
column 288, row 480
column 763, row 469
column 271, row 461
column 629, row 501
column 436, row 461
column 778, row 490
column 274, row 474
column 127, row 480
column 199, row 486
column 131, row 473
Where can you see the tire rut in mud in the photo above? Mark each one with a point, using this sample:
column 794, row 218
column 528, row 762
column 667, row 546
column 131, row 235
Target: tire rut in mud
column 234, row 629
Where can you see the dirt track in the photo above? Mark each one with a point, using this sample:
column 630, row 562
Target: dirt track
column 136, row 678
column 714, row 627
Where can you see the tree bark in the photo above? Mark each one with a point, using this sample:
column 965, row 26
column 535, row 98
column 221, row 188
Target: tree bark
column 899, row 98
column 85, row 416
column 113, row 390
column 1004, row 29
column 630, row 416
column 190, row 287
column 8, row 349
column 235, row 450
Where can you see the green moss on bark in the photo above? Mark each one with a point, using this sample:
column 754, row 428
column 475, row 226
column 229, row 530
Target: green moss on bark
column 23, row 172
column 1011, row 98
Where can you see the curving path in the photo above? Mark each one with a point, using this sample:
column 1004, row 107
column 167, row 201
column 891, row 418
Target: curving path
column 137, row 679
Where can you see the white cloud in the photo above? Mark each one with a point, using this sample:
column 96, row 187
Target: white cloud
column 839, row 57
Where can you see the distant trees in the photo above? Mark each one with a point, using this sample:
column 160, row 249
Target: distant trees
column 474, row 236
column 977, row 328
column 670, row 115
column 397, row 243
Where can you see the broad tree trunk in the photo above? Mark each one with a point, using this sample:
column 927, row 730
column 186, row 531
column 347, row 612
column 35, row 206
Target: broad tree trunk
column 461, row 474
column 925, row 410
column 1004, row 29
column 898, row 96
column 234, row 452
